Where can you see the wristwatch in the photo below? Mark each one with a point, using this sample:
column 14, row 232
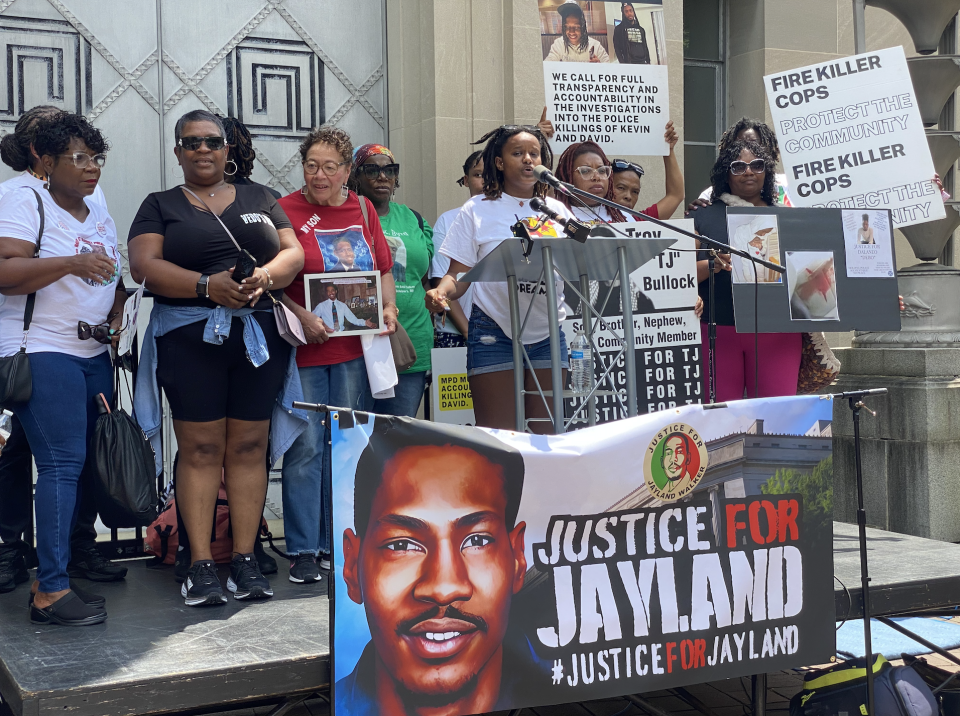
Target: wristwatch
column 394, row 306
column 203, row 290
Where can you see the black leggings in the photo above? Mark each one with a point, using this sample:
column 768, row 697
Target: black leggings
column 205, row 382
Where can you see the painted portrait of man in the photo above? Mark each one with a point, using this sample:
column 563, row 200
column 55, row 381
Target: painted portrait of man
column 436, row 557
column 677, row 454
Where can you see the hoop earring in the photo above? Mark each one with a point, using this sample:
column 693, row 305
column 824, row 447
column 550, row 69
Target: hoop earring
column 344, row 191
column 303, row 190
column 235, row 168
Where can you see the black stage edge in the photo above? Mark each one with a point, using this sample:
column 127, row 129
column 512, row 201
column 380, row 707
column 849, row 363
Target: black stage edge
column 907, row 574
column 155, row 655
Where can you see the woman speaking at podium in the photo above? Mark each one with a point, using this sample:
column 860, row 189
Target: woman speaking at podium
column 743, row 175
column 509, row 158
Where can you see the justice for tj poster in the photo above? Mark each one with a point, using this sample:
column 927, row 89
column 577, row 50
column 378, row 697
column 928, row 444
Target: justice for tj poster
column 479, row 570
column 605, row 74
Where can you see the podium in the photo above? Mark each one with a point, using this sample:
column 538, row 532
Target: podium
column 599, row 259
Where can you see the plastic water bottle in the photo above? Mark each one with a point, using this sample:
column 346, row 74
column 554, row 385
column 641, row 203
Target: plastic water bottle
column 581, row 364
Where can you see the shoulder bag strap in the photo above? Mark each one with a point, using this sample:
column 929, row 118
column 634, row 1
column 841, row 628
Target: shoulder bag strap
column 229, row 233
column 366, row 224
column 32, row 298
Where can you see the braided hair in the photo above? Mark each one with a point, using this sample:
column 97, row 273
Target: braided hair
column 241, row 152
column 720, row 174
column 584, row 36
column 768, row 139
column 15, row 147
column 493, row 177
column 567, row 165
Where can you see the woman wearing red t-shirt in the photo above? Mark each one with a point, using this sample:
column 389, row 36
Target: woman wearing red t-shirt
column 332, row 372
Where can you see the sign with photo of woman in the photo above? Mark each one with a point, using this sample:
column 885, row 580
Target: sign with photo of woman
column 616, row 93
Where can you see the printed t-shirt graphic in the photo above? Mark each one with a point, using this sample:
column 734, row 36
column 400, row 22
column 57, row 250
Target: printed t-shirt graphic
column 344, row 249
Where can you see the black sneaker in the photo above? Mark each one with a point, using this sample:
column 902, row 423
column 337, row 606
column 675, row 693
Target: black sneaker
column 303, row 569
column 86, row 562
column 181, row 564
column 246, row 581
column 202, row 586
column 268, row 565
column 323, row 561
column 13, row 568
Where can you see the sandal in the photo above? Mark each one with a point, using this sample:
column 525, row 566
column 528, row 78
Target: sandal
column 68, row 610
column 88, row 598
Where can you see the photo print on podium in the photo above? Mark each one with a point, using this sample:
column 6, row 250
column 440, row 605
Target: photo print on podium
column 605, row 74
column 759, row 236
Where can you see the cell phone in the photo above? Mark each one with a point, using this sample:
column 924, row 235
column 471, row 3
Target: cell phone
column 245, row 265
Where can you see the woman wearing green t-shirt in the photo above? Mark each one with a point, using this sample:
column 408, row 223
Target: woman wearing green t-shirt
column 376, row 176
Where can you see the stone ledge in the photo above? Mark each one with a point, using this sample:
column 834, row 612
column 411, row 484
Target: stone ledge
column 900, row 362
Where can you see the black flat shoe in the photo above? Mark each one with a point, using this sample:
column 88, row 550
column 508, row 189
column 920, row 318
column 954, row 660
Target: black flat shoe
column 88, row 598
column 68, row 610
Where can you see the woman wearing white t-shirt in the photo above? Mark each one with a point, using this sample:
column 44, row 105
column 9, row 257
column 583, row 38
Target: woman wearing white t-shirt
column 79, row 301
column 510, row 155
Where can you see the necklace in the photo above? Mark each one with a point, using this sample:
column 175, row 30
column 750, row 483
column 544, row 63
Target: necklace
column 35, row 175
column 214, row 192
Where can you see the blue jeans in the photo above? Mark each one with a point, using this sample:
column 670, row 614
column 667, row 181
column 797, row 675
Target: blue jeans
column 58, row 421
column 406, row 396
column 307, row 477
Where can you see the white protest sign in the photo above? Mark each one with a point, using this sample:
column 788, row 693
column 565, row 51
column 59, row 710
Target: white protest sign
column 450, row 391
column 131, row 310
column 851, row 137
column 605, row 75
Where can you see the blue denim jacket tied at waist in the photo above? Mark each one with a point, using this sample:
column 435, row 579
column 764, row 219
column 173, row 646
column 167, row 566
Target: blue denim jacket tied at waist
column 286, row 423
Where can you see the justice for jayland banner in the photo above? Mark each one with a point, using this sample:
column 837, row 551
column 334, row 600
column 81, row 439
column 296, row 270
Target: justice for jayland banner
column 488, row 570
column 851, row 137
column 605, row 74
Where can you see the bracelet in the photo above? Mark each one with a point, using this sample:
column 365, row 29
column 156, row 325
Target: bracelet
column 269, row 278
column 394, row 306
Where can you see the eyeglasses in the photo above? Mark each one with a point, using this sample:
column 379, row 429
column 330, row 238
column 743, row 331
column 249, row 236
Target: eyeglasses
column 101, row 333
column 621, row 165
column 588, row 172
column 192, row 144
column 757, row 166
column 329, row 168
column 81, row 160
column 372, row 171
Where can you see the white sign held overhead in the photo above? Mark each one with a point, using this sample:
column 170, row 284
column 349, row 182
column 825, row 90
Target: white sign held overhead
column 605, row 74
column 851, row 137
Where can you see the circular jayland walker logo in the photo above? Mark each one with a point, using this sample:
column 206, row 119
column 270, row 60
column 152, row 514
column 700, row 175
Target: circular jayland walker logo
column 674, row 462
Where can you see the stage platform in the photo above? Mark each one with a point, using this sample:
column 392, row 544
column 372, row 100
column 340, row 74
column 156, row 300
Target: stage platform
column 154, row 655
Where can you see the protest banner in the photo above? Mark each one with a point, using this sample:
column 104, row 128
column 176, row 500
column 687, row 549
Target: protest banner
column 605, row 74
column 669, row 366
column 477, row 570
column 851, row 137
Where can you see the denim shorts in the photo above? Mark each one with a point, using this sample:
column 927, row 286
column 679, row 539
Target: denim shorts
column 490, row 350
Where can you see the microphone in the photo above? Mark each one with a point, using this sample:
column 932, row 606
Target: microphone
column 545, row 176
column 571, row 227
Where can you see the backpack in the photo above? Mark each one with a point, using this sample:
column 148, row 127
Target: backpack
column 842, row 689
column 162, row 540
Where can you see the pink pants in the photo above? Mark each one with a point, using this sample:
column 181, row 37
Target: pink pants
column 779, row 355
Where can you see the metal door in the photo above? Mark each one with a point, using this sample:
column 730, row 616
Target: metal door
column 280, row 66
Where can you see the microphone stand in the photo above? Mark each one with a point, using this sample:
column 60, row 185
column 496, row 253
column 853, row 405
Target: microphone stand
column 715, row 247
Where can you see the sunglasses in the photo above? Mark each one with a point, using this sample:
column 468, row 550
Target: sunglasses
column 588, row 172
column 192, row 144
column 620, row 165
column 372, row 171
column 101, row 333
column 329, row 168
column 757, row 166
column 81, row 160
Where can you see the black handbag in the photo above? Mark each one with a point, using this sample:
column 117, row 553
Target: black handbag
column 124, row 471
column 16, row 380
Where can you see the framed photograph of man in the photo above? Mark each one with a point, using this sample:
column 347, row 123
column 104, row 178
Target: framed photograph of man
column 348, row 305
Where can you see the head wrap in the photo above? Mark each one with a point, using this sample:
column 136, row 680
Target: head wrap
column 362, row 153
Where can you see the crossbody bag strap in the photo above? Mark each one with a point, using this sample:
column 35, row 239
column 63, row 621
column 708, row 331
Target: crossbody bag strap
column 229, row 233
column 366, row 223
column 32, row 298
